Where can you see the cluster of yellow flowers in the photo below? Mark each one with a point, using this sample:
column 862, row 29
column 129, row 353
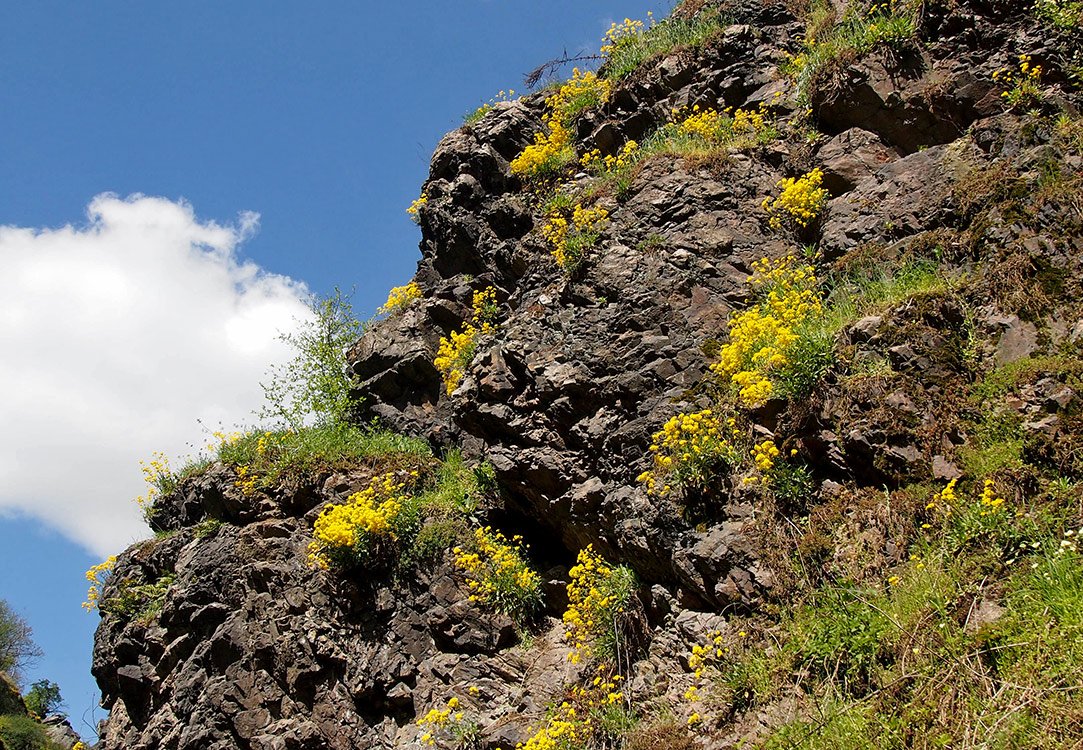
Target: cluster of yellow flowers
column 548, row 153
column 98, row 575
column 764, row 455
column 688, row 449
column 624, row 33
column 945, row 503
column 624, row 159
column 572, row 238
column 399, row 297
column 157, row 474
column 802, row 200
column 415, row 207
column 761, row 336
column 248, row 477
column 732, row 128
column 447, row 720
column 595, row 603
column 1022, row 87
column 457, row 350
column 498, row 574
column 551, row 151
column 705, row 123
column 345, row 534
column 574, row 723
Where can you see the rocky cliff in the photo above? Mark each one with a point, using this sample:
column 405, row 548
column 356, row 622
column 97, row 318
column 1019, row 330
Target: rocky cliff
column 947, row 255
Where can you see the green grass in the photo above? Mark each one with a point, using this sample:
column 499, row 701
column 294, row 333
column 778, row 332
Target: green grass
column 974, row 641
column 878, row 288
column 663, row 37
column 1064, row 14
column 829, row 46
column 304, row 454
column 23, row 733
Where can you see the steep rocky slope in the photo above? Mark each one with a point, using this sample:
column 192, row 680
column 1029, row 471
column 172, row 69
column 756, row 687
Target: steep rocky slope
column 932, row 172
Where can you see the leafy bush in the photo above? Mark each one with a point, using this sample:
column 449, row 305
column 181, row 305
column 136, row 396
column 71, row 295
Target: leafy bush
column 599, row 596
column 499, row 575
column 402, row 519
column 17, row 647
column 399, row 298
column 457, row 350
column 43, row 698
column 800, row 203
column 689, row 452
column 571, row 237
column 772, row 341
column 23, row 733
column 553, row 150
column 365, row 531
column 315, row 384
column 137, row 601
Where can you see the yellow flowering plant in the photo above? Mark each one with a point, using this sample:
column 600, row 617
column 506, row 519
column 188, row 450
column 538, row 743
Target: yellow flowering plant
column 1022, row 87
column 456, row 350
column 448, row 726
column 572, row 236
column 599, row 596
column 399, row 298
column 498, row 574
column 690, row 451
column 366, row 528
column 487, row 107
column 414, row 209
column 800, row 202
column 553, row 150
column 764, row 338
column 160, row 480
column 98, row 575
column 583, row 718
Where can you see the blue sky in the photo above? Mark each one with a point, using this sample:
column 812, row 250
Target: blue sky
column 124, row 319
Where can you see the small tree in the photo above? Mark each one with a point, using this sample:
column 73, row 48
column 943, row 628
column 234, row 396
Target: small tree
column 43, row 698
column 315, row 384
column 17, row 647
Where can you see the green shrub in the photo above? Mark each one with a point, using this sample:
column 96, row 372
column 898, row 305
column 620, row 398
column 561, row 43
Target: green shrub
column 43, row 698
column 141, row 602
column 23, row 733
column 315, row 384
column 628, row 45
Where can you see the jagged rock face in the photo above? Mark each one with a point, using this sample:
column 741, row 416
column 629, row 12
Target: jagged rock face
column 255, row 649
column 252, row 648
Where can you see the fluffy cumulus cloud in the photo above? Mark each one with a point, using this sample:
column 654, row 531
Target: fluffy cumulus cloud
column 121, row 337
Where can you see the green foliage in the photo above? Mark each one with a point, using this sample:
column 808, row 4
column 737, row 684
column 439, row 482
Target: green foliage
column 839, row 633
column 271, row 457
column 1066, row 14
column 137, row 601
column 23, row 733
column 17, row 647
column 829, row 45
column 996, row 443
column 43, row 698
column 876, row 287
column 315, row 385
column 628, row 51
column 403, row 519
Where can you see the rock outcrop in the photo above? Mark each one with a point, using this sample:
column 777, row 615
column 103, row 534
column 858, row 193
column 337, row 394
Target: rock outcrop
column 254, row 648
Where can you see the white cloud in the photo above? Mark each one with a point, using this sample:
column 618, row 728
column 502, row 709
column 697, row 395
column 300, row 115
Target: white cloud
column 116, row 337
